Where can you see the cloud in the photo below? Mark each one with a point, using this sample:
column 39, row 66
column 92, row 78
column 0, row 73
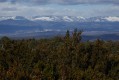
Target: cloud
column 22, row 8
column 3, row 0
column 9, row 9
column 67, row 2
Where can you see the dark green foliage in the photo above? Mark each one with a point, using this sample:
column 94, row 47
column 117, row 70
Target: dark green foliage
column 59, row 58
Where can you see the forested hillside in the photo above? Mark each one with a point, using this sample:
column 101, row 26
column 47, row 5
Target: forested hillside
column 59, row 58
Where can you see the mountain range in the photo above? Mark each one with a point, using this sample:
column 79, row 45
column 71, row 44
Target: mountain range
column 48, row 26
column 63, row 18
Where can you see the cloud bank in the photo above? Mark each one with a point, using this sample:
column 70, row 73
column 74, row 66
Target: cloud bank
column 83, row 8
column 67, row 2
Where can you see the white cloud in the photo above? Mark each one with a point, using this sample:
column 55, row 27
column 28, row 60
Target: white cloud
column 68, row 2
column 8, row 9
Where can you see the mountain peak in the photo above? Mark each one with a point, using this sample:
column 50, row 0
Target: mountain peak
column 20, row 18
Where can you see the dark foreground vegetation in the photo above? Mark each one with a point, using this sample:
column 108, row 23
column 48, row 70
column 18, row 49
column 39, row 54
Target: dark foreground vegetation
column 59, row 58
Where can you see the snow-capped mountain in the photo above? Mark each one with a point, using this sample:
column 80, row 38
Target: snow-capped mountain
column 103, row 19
column 63, row 18
column 112, row 19
column 20, row 18
column 6, row 17
column 12, row 18
column 41, row 26
column 58, row 18
column 75, row 19
column 16, row 21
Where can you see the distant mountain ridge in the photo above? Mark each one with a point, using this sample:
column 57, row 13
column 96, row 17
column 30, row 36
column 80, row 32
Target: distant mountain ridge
column 63, row 18
column 106, row 28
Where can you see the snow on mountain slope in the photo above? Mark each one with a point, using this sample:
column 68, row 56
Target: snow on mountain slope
column 43, row 18
column 76, row 18
column 68, row 19
column 58, row 18
column 63, row 18
column 6, row 17
column 12, row 17
column 112, row 19
column 103, row 19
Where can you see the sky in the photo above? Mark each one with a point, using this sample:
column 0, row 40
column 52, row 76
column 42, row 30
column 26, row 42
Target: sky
column 84, row 8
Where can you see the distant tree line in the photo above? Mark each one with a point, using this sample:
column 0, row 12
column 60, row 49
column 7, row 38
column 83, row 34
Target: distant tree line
column 59, row 58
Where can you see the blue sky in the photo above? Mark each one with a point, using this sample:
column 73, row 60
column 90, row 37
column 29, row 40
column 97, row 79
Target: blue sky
column 85, row 8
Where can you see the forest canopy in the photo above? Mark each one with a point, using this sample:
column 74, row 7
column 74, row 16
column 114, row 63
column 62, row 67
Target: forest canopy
column 59, row 58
